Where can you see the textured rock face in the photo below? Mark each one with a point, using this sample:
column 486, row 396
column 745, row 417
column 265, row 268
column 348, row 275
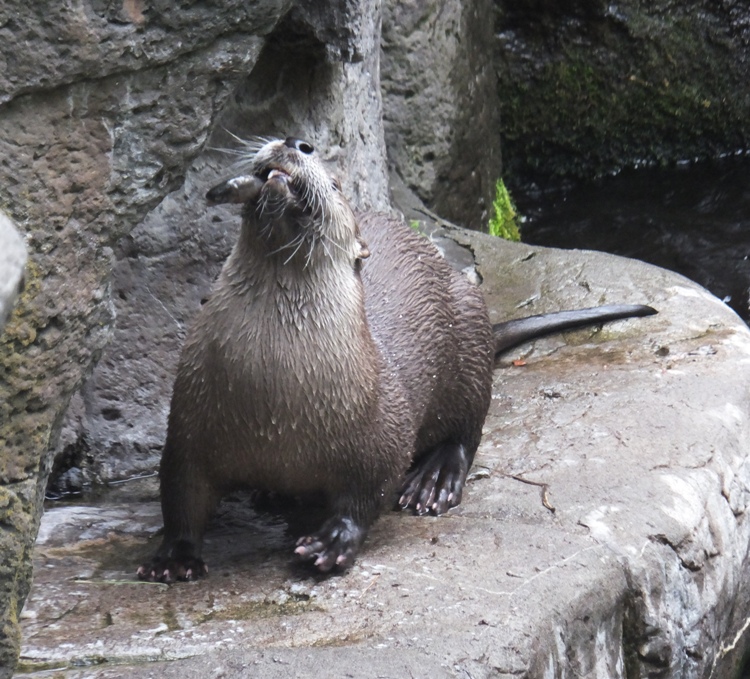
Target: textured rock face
column 587, row 87
column 440, row 107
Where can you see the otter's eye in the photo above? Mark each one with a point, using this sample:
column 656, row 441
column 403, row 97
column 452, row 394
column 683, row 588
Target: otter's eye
column 299, row 144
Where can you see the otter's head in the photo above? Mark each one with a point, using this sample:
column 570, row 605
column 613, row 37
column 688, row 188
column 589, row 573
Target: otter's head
column 294, row 209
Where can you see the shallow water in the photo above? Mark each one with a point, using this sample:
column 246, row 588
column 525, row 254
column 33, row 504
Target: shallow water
column 693, row 219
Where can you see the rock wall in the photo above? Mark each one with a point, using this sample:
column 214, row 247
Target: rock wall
column 298, row 85
column 441, row 117
column 587, row 87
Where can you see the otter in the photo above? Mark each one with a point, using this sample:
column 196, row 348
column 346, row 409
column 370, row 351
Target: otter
column 339, row 355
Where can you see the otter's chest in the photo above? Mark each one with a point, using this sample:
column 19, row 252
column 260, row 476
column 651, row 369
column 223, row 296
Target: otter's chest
column 279, row 362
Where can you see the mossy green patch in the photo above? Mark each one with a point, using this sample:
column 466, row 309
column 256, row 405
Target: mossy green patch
column 112, row 553
column 21, row 328
column 170, row 618
column 503, row 222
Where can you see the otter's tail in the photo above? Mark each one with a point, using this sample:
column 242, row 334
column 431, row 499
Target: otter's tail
column 512, row 333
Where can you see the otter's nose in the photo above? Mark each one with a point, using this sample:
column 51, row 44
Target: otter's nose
column 300, row 144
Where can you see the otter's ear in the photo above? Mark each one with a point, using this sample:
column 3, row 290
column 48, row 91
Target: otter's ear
column 361, row 252
column 361, row 249
column 236, row 190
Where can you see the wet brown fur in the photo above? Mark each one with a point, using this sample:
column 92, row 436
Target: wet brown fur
column 315, row 371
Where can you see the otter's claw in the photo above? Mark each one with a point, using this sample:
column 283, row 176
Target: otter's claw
column 335, row 544
column 171, row 569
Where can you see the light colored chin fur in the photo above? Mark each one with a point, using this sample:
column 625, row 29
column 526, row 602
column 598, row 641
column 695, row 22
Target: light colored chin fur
column 334, row 223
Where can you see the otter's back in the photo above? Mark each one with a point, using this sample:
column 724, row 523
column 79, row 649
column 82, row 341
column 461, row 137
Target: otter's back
column 432, row 327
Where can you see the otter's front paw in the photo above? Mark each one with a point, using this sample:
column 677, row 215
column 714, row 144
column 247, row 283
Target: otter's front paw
column 335, row 544
column 169, row 569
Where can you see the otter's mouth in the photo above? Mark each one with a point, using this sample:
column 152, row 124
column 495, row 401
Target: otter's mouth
column 275, row 182
column 271, row 173
column 249, row 188
column 278, row 184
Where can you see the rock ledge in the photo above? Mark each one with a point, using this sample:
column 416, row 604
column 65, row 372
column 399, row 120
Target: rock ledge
column 635, row 567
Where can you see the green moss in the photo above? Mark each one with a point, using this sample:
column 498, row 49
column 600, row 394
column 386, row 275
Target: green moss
column 503, row 222
column 170, row 618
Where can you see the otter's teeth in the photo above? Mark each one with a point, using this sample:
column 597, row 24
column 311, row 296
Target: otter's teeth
column 275, row 173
